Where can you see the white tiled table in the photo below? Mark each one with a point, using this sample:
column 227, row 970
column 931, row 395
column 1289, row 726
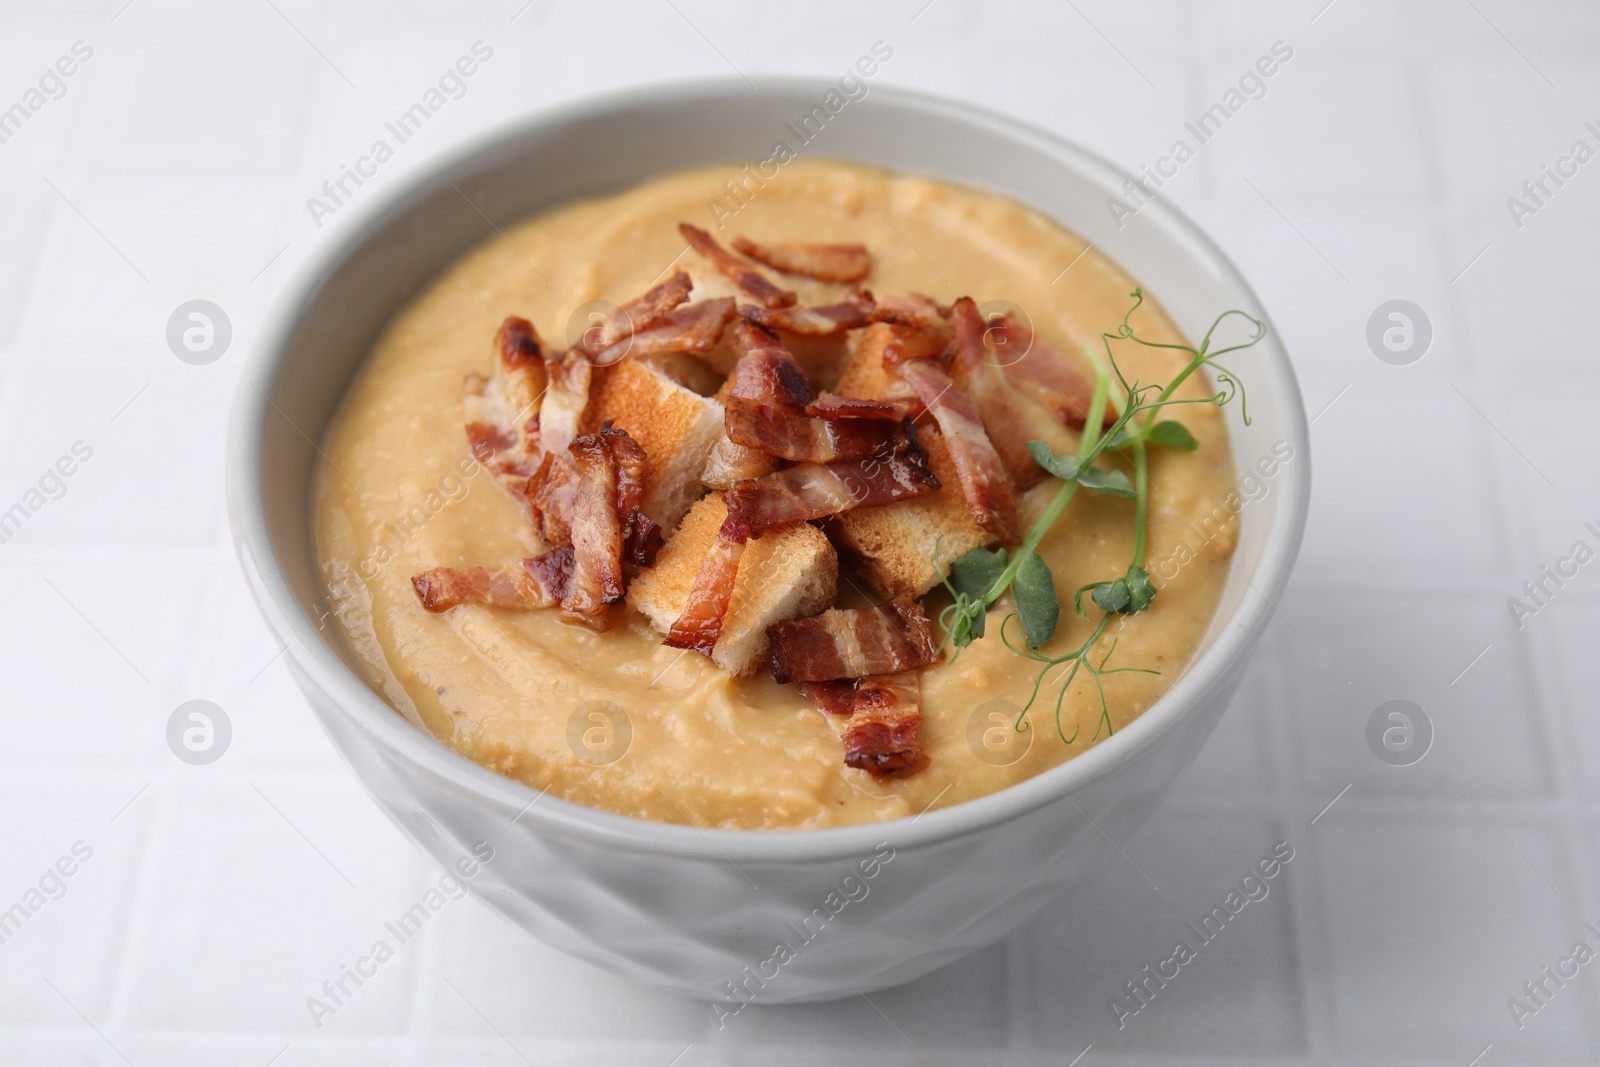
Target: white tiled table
column 218, row 898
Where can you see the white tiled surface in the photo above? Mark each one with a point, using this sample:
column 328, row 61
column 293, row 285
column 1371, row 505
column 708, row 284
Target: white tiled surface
column 218, row 898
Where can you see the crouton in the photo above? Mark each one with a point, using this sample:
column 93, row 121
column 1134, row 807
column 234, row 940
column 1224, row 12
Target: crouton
column 787, row 573
column 675, row 426
column 896, row 542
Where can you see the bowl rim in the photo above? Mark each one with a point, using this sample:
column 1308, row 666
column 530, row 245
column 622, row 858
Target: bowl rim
column 381, row 724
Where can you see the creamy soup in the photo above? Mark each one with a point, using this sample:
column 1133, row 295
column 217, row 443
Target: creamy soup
column 525, row 693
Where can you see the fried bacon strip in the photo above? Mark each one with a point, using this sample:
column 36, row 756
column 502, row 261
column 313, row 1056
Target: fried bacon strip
column 826, row 320
column 501, row 411
column 550, row 494
column 606, row 525
column 813, row 490
column 833, row 406
column 565, row 399
column 641, row 536
column 909, row 309
column 984, row 484
column 826, row 263
column 694, row 327
column 700, row 623
column 1011, row 416
column 636, row 316
column 880, row 721
column 833, row 698
column 767, row 407
column 1044, row 371
column 931, row 341
column 735, row 269
column 853, row 643
column 882, row 735
column 540, row 582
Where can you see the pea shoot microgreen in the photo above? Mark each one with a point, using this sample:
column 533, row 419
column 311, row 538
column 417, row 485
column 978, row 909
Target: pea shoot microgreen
column 981, row 577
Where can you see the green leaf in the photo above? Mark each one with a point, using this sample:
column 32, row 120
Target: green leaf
column 1112, row 596
column 1035, row 593
column 1063, row 467
column 972, row 577
column 1112, row 483
column 1173, row 435
column 1141, row 591
column 1127, row 595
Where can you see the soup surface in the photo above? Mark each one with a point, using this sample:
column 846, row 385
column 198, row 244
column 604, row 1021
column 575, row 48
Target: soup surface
column 678, row 738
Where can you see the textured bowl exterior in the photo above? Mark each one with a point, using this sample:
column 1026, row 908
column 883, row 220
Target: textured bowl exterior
column 733, row 916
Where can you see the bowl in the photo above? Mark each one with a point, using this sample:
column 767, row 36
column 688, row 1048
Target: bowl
column 738, row 917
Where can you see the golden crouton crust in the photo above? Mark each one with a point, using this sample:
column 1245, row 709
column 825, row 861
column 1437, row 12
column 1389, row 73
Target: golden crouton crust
column 787, row 573
column 896, row 542
column 675, row 426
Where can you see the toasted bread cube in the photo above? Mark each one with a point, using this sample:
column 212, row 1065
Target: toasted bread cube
column 787, row 573
column 896, row 542
column 675, row 426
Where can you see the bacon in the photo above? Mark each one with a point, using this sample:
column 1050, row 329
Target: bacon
column 984, row 484
column 606, row 527
column 910, row 309
column 918, row 341
column 1011, row 417
column 699, row 625
column 539, row 582
column 694, row 327
column 833, row 406
column 641, row 537
column 814, row 490
column 882, row 735
column 853, row 643
column 826, row 320
column 565, row 399
column 735, row 269
column 501, row 411
column 637, row 315
column 767, row 406
column 550, row 494
column 1044, row 371
column 826, row 263
column 833, row 698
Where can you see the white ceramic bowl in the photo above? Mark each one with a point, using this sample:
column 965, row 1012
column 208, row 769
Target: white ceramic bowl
column 705, row 910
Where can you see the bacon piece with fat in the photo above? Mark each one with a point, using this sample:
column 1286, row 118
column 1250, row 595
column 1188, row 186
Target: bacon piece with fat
column 767, row 407
column 883, row 734
column 825, row 320
column 550, row 494
column 565, row 399
column 984, row 484
column 699, row 625
column 693, row 327
column 1044, row 371
column 833, row 406
column 909, row 309
column 735, row 269
column 641, row 536
column 853, row 643
column 636, row 316
column 1011, row 416
column 814, row 490
column 501, row 411
column 606, row 526
column 879, row 718
column 540, row 582
column 824, row 262
column 834, row 698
